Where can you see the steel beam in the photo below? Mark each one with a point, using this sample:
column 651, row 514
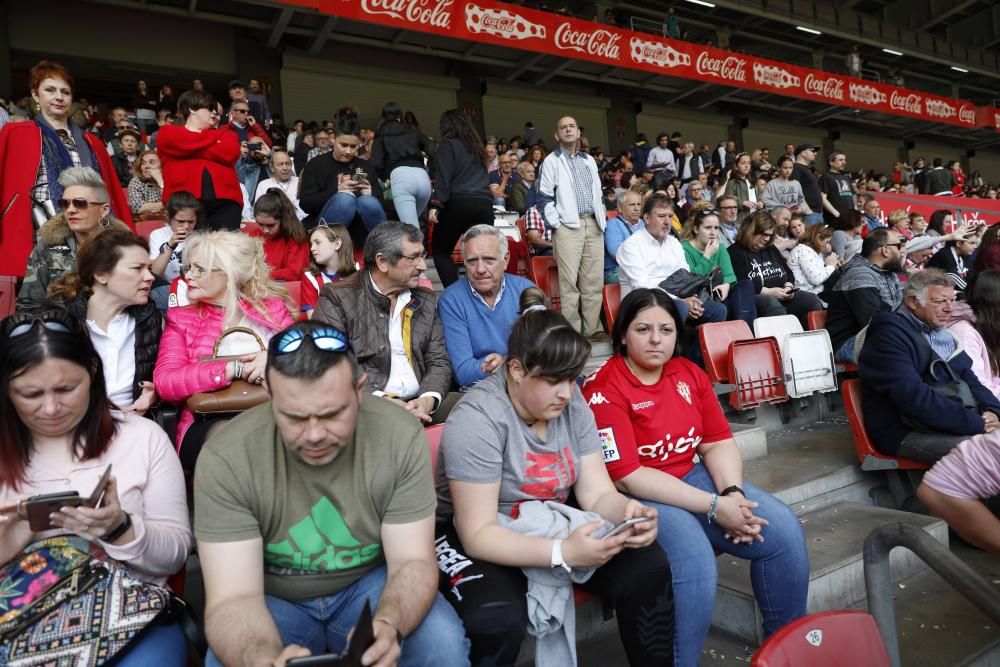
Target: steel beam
column 279, row 27
column 323, row 34
column 552, row 72
column 524, row 66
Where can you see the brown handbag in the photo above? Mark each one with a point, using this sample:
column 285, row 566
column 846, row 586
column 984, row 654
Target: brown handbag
column 238, row 396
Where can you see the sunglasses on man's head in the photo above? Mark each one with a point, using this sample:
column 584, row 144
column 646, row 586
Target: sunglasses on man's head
column 327, row 339
column 22, row 323
column 78, row 203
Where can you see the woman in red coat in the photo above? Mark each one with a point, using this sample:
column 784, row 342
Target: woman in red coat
column 200, row 157
column 34, row 154
column 286, row 244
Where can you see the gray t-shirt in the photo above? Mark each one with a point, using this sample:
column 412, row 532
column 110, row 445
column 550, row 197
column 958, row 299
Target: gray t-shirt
column 485, row 441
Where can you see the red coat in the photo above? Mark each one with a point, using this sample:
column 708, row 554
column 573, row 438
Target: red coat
column 286, row 258
column 185, row 155
column 20, row 156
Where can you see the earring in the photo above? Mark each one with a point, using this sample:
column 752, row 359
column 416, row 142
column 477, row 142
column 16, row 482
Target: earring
column 105, row 223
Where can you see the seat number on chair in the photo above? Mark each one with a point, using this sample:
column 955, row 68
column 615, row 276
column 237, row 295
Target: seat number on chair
column 815, row 637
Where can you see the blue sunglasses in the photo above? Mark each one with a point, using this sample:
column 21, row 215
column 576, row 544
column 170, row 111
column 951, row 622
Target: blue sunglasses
column 22, row 323
column 327, row 339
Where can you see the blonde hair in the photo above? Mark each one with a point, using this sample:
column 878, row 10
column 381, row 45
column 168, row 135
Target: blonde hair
column 345, row 255
column 897, row 217
column 248, row 277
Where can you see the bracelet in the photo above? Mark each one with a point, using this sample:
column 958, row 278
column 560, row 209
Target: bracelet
column 732, row 489
column 120, row 530
column 383, row 619
column 238, row 370
column 715, row 504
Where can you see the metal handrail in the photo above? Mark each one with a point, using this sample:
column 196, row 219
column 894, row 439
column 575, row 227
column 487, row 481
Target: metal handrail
column 878, row 577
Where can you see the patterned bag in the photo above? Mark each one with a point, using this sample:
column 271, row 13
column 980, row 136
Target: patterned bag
column 61, row 606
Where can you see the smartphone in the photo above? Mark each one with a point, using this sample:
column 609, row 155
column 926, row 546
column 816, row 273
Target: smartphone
column 612, row 530
column 793, row 290
column 38, row 508
column 362, row 637
column 254, row 146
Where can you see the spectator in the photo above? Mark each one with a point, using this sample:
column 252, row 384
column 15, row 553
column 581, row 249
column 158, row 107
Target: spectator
column 953, row 256
column 393, row 322
column 461, row 196
column 958, row 187
column 145, row 189
column 85, row 213
column 109, row 293
column 502, row 180
column 284, row 178
column 117, row 121
column 812, row 261
column 198, row 155
column 976, row 324
column 988, row 255
column 142, row 521
column 872, row 212
column 494, row 441
column 836, row 189
column 899, row 220
column 295, row 135
column 755, row 258
column 706, row 256
column 729, row 225
column 145, row 107
column 783, row 191
column 492, row 157
column 196, row 85
column 340, row 187
column 671, row 25
column 689, row 165
column 537, row 235
column 321, row 145
column 332, row 256
column 647, row 393
column 854, row 62
column 522, row 193
column 692, row 196
column 360, row 471
column 847, row 237
column 938, row 181
column 166, row 244
column 286, row 244
column 398, row 152
column 125, row 160
column 868, row 285
column 640, row 155
column 228, row 286
column 904, row 413
column 618, row 229
column 569, row 197
column 724, row 156
column 33, row 155
column 536, row 156
column 941, row 221
column 760, row 164
column 255, row 144
column 739, row 185
column 805, row 155
column 258, row 102
column 477, row 312
column 661, row 160
column 955, row 488
column 788, row 228
column 166, row 100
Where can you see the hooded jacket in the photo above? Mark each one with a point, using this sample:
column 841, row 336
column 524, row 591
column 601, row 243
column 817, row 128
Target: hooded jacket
column 396, row 145
column 863, row 290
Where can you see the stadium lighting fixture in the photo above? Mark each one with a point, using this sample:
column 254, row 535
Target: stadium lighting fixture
column 892, row 53
column 809, row 30
column 701, row 2
column 959, row 69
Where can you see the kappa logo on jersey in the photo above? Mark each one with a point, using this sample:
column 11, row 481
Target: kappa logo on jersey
column 598, row 399
column 685, row 391
column 320, row 542
column 609, row 446
column 643, row 405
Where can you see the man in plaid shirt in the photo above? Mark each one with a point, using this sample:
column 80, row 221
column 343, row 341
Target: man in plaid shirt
column 539, row 239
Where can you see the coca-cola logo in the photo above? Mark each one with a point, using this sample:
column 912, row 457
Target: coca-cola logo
column 967, row 114
column 730, row 68
column 911, row 103
column 865, row 94
column 769, row 75
column 434, row 13
column 831, row 87
column 940, row 109
column 603, row 43
column 500, row 23
column 654, row 53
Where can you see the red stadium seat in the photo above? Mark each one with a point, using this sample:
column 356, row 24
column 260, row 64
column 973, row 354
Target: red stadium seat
column 755, row 369
column 816, row 319
column 827, row 639
column 145, row 228
column 520, row 259
column 870, row 458
column 8, row 295
column 434, row 434
column 546, row 276
column 612, row 300
column 359, row 258
column 715, row 338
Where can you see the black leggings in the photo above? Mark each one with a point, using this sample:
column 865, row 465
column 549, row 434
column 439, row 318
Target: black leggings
column 222, row 214
column 491, row 601
column 453, row 220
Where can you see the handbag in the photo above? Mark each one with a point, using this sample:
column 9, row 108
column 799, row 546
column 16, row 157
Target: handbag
column 949, row 386
column 683, row 284
column 64, row 606
column 239, row 396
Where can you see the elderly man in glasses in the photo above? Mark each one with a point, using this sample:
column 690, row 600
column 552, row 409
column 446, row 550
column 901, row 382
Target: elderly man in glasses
column 312, row 505
column 400, row 342
column 478, row 310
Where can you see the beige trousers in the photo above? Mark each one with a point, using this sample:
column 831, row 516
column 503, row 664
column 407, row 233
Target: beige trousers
column 579, row 257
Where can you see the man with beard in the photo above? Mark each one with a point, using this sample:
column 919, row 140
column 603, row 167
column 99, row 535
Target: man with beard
column 869, row 285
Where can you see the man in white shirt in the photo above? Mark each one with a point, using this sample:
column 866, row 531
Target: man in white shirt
column 661, row 158
column 651, row 255
column 284, row 179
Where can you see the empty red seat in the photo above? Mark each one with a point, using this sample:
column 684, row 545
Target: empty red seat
column 755, row 369
column 546, row 276
column 520, row 259
column 145, row 228
column 827, row 639
column 715, row 338
column 612, row 301
column 870, row 458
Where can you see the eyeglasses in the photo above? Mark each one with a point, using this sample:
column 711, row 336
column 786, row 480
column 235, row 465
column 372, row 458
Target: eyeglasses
column 78, row 203
column 766, row 235
column 415, row 257
column 242, row 110
column 327, row 339
column 22, row 323
column 898, row 246
column 197, row 270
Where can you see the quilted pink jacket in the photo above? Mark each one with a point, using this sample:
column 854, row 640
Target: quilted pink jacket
column 188, row 338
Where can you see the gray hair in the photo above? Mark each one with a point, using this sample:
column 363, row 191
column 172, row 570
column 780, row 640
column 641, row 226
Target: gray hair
column 917, row 284
column 779, row 209
column 387, row 240
column 522, row 167
column 85, row 177
column 485, row 230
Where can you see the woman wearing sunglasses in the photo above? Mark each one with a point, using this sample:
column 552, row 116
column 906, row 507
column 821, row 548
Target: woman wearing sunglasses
column 84, row 213
column 33, row 156
column 229, row 285
column 58, row 432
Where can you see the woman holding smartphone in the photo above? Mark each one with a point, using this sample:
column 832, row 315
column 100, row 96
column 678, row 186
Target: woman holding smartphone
column 58, row 432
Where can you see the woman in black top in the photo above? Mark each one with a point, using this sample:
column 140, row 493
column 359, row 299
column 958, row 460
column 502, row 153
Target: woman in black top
column 398, row 153
column 755, row 258
column 461, row 189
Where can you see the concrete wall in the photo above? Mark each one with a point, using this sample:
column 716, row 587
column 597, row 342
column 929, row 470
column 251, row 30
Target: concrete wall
column 697, row 127
column 929, row 150
column 506, row 108
column 761, row 133
column 868, row 151
column 988, row 164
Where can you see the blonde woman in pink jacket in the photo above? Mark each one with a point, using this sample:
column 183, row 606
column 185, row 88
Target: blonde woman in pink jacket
column 229, row 285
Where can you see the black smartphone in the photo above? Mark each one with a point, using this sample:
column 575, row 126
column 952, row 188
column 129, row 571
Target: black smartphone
column 38, row 508
column 254, row 146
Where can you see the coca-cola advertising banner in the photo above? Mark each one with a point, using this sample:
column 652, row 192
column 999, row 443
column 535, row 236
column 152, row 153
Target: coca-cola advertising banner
column 543, row 32
column 968, row 210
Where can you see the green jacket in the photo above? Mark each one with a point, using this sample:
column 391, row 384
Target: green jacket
column 698, row 264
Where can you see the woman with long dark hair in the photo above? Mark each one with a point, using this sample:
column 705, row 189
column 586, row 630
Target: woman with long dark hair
column 286, row 243
column 740, row 185
column 976, row 322
column 461, row 189
column 398, row 153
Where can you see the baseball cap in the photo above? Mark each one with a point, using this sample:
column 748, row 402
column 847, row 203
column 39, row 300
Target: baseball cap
column 236, row 83
column 806, row 147
column 131, row 133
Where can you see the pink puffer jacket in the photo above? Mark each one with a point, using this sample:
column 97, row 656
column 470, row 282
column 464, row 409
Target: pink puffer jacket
column 188, row 338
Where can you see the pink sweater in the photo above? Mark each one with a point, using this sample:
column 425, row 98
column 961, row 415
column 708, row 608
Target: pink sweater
column 188, row 338
column 150, row 488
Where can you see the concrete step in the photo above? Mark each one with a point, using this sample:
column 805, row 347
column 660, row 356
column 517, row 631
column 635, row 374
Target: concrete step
column 751, row 441
column 834, row 537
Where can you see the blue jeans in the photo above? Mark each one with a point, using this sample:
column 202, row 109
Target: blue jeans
column 159, row 645
column 321, row 625
column 846, row 351
column 411, row 191
column 715, row 311
column 779, row 569
column 342, row 208
column 814, row 218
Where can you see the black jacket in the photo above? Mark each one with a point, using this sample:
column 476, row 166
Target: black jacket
column 320, row 179
column 123, row 168
column 148, row 328
column 396, row 145
column 459, row 176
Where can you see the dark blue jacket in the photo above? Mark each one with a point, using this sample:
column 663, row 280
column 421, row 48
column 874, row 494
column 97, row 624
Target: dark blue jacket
column 894, row 365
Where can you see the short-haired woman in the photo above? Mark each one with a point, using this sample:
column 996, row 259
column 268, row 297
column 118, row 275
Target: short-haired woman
column 286, row 244
column 57, row 432
column 198, row 157
column 514, row 450
column 812, row 261
column 656, row 411
column 145, row 190
column 85, row 212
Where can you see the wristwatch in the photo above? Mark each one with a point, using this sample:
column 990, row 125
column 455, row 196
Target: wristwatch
column 557, row 557
column 120, row 530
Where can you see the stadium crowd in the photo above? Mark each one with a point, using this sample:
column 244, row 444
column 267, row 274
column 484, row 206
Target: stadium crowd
column 153, row 367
